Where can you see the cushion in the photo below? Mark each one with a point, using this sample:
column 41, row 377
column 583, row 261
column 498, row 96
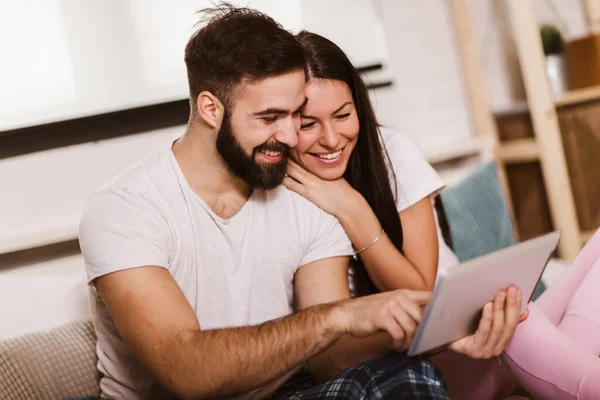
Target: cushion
column 478, row 217
column 57, row 364
column 477, row 214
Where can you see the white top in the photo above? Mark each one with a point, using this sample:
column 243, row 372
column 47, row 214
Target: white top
column 233, row 272
column 415, row 180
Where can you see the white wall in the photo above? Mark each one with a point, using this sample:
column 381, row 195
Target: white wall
column 427, row 100
column 65, row 59
column 357, row 30
column 44, row 193
column 43, row 295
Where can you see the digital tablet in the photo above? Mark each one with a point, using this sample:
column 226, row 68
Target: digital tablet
column 461, row 291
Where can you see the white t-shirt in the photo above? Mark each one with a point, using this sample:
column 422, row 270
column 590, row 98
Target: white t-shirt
column 415, row 180
column 233, row 272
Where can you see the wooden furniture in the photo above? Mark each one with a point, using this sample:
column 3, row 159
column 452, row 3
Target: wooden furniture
column 477, row 91
column 580, row 133
column 582, row 59
column 545, row 143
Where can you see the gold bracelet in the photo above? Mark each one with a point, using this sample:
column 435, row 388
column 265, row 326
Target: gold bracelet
column 357, row 252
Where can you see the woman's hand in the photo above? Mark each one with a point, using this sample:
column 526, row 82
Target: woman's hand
column 524, row 316
column 498, row 322
column 333, row 197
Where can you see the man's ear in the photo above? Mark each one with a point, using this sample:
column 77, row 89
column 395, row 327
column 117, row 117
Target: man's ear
column 210, row 109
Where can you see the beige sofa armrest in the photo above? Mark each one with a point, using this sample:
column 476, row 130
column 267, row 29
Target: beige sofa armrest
column 57, row 364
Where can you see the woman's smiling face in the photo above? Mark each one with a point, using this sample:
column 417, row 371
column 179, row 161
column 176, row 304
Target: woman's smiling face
column 329, row 129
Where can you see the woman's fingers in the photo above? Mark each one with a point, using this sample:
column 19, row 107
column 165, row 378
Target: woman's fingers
column 511, row 319
column 294, row 185
column 293, row 173
column 484, row 329
column 297, row 172
column 474, row 345
column 498, row 324
column 524, row 316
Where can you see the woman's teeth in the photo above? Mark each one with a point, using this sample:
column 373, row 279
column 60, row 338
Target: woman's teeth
column 272, row 153
column 330, row 156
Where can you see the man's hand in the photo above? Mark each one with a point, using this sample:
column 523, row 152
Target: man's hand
column 498, row 322
column 398, row 313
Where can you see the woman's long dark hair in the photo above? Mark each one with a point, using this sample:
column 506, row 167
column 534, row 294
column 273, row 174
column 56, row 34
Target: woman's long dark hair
column 368, row 167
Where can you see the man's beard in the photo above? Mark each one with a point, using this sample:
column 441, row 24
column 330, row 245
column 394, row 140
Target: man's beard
column 257, row 175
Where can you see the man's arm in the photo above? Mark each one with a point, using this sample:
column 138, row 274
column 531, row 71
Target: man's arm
column 326, row 281
column 157, row 323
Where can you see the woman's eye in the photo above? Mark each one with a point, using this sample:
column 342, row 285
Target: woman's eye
column 269, row 120
column 342, row 116
column 306, row 126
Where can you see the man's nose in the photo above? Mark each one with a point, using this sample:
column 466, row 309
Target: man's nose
column 286, row 133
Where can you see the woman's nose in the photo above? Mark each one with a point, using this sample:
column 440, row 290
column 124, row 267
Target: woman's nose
column 330, row 138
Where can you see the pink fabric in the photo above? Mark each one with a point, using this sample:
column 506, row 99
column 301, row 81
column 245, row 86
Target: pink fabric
column 554, row 353
column 554, row 301
column 469, row 379
column 579, row 330
column 548, row 363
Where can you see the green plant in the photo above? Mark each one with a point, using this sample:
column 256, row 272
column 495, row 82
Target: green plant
column 552, row 39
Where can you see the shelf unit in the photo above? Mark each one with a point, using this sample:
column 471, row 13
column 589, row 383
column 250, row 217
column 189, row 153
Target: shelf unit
column 578, row 96
column 546, row 147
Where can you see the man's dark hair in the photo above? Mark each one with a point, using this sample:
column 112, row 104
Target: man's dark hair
column 235, row 44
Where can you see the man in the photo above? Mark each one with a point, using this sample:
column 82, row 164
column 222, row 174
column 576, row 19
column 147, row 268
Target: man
column 196, row 256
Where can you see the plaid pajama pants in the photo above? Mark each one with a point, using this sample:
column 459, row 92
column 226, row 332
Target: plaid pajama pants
column 390, row 377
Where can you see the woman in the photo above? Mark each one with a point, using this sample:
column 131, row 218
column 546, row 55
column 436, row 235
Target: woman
column 383, row 201
column 367, row 194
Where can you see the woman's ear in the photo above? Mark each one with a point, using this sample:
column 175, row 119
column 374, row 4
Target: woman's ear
column 210, row 109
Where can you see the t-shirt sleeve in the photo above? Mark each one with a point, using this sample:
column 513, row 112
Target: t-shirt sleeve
column 328, row 240
column 415, row 177
column 120, row 230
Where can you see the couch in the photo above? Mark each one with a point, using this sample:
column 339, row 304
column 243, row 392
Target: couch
column 51, row 365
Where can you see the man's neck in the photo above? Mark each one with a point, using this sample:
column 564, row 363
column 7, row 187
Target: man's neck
column 208, row 175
